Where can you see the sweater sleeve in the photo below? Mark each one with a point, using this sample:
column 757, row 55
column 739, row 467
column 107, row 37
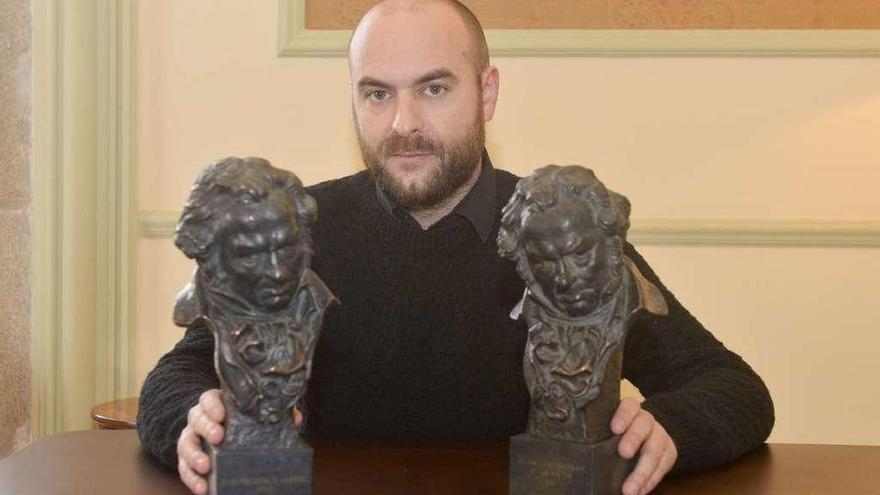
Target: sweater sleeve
column 712, row 404
column 171, row 389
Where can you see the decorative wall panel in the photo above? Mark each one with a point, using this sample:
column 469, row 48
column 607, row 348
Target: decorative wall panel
column 634, row 14
column 621, row 27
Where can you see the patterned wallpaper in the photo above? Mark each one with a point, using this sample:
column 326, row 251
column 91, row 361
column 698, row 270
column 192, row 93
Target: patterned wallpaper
column 635, row 14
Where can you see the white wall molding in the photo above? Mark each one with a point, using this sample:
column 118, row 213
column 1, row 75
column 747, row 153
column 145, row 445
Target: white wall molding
column 294, row 40
column 47, row 175
column 157, row 224
column 117, row 208
column 756, row 232
column 83, row 208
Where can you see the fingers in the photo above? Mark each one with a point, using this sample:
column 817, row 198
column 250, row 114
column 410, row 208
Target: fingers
column 667, row 460
column 203, row 423
column 623, row 417
column 639, row 430
column 189, row 449
column 194, row 482
column 190, row 455
column 652, row 451
column 212, row 405
column 297, row 417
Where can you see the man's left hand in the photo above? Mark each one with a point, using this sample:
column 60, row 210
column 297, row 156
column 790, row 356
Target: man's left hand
column 642, row 433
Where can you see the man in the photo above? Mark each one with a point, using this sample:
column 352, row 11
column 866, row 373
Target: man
column 422, row 345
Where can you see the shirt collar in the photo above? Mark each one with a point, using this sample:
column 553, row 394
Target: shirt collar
column 477, row 207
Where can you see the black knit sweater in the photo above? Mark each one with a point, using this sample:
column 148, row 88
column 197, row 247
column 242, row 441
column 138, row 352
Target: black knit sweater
column 422, row 346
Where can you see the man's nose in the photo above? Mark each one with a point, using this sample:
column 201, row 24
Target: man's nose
column 407, row 119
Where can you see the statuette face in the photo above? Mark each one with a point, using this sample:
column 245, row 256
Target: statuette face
column 262, row 252
column 568, row 257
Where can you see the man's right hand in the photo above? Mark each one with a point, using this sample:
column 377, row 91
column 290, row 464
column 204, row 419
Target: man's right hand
column 203, row 421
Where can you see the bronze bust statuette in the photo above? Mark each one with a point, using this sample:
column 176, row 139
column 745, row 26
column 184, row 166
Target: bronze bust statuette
column 566, row 233
column 247, row 224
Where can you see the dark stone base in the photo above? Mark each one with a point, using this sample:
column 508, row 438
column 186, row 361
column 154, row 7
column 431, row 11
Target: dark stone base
column 261, row 471
column 549, row 467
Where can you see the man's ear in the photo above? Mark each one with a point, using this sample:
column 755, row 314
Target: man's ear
column 489, row 81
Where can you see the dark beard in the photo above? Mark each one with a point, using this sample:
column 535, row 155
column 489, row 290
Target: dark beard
column 457, row 163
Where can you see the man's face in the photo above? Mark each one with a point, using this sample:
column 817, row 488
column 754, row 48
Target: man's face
column 261, row 253
column 568, row 256
column 418, row 103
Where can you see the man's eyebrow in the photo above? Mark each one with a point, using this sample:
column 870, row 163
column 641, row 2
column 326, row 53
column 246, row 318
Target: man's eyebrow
column 433, row 75
column 371, row 82
column 436, row 74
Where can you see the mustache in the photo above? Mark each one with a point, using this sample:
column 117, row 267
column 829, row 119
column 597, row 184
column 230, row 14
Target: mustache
column 410, row 144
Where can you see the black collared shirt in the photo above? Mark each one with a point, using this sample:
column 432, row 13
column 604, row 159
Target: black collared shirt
column 477, row 207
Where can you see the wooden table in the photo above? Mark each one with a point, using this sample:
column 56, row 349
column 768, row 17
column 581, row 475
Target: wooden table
column 116, row 415
column 105, row 462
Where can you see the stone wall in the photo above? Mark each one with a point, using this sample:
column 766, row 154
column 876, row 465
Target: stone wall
column 15, row 223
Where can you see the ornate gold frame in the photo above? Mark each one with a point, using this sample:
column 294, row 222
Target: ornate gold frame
column 294, row 40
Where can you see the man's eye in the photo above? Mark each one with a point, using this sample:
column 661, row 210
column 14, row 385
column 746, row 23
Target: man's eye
column 435, row 90
column 378, row 95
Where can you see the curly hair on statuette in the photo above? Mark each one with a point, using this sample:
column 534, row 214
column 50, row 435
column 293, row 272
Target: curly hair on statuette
column 542, row 190
column 231, row 182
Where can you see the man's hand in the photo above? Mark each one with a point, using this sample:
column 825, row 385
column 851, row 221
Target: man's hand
column 203, row 421
column 642, row 432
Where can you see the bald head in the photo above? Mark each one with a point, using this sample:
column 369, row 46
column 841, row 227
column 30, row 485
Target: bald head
column 451, row 12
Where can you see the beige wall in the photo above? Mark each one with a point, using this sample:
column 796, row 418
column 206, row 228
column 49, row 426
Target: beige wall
column 15, row 200
column 684, row 138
